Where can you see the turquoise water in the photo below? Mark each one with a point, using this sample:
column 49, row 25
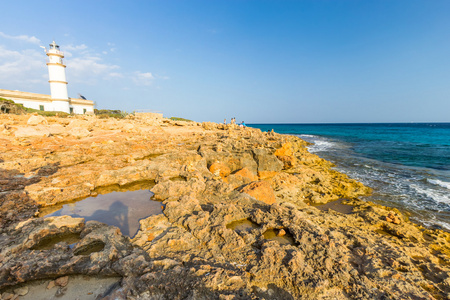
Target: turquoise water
column 407, row 165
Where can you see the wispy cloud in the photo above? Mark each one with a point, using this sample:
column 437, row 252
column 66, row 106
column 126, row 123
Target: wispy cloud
column 112, row 47
column 162, row 77
column 25, row 67
column 87, row 65
column 89, row 69
column 24, row 38
column 115, row 75
column 75, row 48
column 143, row 79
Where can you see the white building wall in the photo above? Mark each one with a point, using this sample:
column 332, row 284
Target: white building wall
column 33, row 100
column 79, row 109
column 48, row 106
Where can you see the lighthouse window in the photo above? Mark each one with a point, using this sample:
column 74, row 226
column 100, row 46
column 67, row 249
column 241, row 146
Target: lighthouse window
column 41, row 107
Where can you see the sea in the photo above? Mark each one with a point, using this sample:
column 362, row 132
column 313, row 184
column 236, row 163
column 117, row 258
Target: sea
column 406, row 164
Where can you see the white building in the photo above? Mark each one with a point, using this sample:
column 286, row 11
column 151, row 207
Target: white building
column 58, row 100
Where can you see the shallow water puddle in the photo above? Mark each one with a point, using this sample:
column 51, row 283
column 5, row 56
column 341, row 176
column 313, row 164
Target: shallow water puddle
column 242, row 225
column 79, row 287
column 123, row 209
column 275, row 235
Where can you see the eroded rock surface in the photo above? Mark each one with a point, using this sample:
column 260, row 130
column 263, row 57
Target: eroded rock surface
column 207, row 176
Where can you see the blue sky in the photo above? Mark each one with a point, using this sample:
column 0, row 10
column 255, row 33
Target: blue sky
column 258, row 61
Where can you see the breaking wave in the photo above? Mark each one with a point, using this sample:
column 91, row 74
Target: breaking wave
column 432, row 194
column 440, row 183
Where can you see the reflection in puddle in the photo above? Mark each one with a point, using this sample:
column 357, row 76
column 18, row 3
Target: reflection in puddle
column 282, row 236
column 121, row 209
column 139, row 185
column 242, row 225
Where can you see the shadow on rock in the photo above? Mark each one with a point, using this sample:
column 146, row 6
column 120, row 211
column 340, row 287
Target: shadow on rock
column 15, row 204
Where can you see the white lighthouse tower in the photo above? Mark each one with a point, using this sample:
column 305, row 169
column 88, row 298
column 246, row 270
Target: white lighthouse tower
column 57, row 79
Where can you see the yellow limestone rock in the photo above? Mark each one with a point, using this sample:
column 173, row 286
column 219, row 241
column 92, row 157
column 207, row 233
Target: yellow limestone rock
column 261, row 190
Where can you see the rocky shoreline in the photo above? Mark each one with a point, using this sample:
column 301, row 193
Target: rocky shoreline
column 243, row 216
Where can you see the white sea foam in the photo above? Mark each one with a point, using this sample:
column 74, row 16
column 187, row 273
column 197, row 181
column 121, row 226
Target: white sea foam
column 435, row 222
column 373, row 168
column 307, row 135
column 440, row 183
column 321, row 145
column 433, row 194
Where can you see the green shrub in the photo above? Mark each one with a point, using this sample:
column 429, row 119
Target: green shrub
column 179, row 119
column 110, row 113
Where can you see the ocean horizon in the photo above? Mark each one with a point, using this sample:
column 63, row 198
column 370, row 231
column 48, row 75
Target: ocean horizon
column 406, row 164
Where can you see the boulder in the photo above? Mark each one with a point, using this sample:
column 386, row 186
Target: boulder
column 128, row 128
column 56, row 129
column 246, row 173
column 260, row 190
column 51, row 285
column 209, row 125
column 241, row 177
column 246, row 161
column 393, row 218
column 22, row 291
column 79, row 132
column 8, row 296
column 23, row 132
column 285, row 150
column 267, row 174
column 62, row 281
column 288, row 161
column 266, row 161
column 37, row 120
column 220, row 169
column 78, row 123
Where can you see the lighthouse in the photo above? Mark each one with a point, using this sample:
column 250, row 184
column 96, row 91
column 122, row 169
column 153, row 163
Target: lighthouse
column 59, row 99
column 57, row 79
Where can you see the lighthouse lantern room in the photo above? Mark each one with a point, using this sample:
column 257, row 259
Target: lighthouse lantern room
column 57, row 79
